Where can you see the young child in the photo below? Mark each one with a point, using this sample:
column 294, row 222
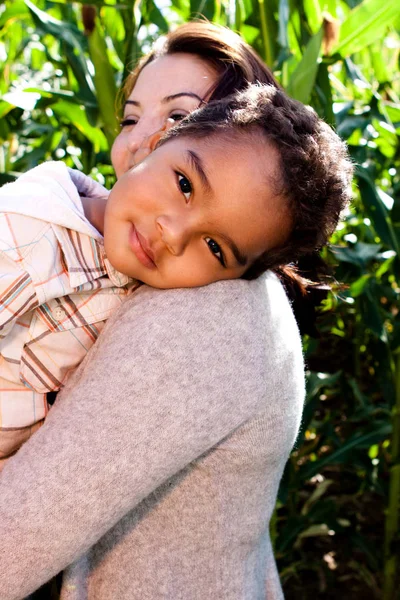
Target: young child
column 242, row 185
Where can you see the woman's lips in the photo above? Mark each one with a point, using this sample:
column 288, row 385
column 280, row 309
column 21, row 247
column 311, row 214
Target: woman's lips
column 141, row 249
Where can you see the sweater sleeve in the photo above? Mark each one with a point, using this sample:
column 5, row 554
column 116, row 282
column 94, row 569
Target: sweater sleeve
column 174, row 372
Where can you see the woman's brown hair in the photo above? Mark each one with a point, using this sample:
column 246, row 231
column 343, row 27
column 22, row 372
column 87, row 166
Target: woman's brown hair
column 234, row 60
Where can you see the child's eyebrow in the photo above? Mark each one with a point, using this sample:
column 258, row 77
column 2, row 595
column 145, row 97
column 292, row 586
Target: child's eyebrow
column 241, row 258
column 197, row 164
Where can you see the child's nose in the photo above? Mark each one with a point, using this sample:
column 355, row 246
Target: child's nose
column 175, row 231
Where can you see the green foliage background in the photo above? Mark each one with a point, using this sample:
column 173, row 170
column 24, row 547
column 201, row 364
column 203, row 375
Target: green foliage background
column 58, row 89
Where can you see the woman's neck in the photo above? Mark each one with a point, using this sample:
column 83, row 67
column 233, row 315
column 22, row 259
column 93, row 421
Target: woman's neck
column 94, row 209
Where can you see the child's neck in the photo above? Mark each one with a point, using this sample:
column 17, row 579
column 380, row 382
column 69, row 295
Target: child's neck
column 94, row 209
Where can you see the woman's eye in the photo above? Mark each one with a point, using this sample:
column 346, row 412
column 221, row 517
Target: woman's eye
column 129, row 121
column 177, row 117
column 215, row 249
column 185, row 186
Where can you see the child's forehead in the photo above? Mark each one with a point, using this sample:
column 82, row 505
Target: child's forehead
column 239, row 157
column 232, row 154
column 226, row 139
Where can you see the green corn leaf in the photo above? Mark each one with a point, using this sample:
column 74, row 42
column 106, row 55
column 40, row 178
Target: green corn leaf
column 324, row 93
column 106, row 89
column 283, row 21
column 74, row 47
column 379, row 63
column 205, row 8
column 314, row 14
column 267, row 30
column 343, row 453
column 61, row 30
column 372, row 317
column 79, row 67
column 152, row 14
column 5, row 108
column 182, row 8
column 393, row 112
column 303, row 78
column 17, row 10
column 365, row 25
column 74, row 114
column 376, row 210
column 358, row 286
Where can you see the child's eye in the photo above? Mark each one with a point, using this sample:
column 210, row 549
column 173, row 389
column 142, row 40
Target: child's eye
column 129, row 121
column 185, row 186
column 215, row 249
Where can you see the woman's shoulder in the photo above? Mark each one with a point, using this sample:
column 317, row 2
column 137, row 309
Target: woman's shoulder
column 254, row 317
column 259, row 299
column 231, row 334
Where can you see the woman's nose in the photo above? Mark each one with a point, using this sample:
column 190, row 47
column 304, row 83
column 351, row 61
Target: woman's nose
column 144, row 127
column 175, row 231
column 149, row 143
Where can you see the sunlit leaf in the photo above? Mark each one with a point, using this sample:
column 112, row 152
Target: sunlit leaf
column 365, row 24
column 16, row 10
column 205, row 8
column 358, row 286
column 376, row 210
column 67, row 32
column 303, row 78
column 76, row 116
column 314, row 14
column 104, row 81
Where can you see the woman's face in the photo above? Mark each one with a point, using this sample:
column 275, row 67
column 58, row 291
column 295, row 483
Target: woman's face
column 170, row 87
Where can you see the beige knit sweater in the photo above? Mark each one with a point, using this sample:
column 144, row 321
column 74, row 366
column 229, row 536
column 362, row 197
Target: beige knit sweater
column 156, row 472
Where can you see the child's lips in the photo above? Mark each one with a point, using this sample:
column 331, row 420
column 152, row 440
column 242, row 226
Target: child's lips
column 141, row 248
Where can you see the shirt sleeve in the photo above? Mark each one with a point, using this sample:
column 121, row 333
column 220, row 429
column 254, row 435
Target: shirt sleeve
column 174, row 372
column 17, row 292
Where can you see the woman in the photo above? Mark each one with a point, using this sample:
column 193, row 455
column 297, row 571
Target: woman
column 207, row 61
column 161, row 459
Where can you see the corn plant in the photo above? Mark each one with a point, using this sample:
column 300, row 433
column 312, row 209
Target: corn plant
column 336, row 527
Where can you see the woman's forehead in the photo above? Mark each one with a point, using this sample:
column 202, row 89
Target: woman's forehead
column 175, row 73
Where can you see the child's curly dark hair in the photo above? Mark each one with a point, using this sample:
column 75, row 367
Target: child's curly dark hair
column 315, row 173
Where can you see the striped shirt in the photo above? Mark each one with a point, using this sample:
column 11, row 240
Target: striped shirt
column 57, row 289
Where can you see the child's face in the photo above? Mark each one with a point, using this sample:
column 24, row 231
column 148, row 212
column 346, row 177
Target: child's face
column 195, row 212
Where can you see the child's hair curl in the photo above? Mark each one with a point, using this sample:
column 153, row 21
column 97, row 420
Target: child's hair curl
column 315, row 169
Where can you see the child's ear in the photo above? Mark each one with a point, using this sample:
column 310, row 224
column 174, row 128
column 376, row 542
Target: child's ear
column 150, row 142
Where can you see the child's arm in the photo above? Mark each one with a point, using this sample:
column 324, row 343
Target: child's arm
column 29, row 258
column 17, row 292
column 93, row 196
column 87, row 186
column 94, row 211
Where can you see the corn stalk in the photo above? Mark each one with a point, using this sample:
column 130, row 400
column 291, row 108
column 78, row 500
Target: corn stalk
column 104, row 82
column 391, row 556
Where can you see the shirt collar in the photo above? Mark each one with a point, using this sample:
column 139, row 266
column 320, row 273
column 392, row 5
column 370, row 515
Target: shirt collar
column 85, row 259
